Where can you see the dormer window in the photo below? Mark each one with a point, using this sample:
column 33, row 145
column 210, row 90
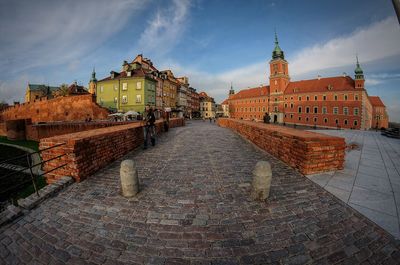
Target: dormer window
column 129, row 73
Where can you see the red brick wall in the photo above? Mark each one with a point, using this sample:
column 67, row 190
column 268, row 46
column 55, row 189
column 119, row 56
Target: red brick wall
column 89, row 151
column 72, row 108
column 38, row 131
column 3, row 130
column 306, row 151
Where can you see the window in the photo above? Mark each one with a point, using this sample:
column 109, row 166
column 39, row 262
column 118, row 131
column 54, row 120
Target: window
column 324, row 110
column 285, row 105
column 326, row 120
column 101, row 89
column 276, row 109
column 308, row 98
column 115, row 87
column 291, row 105
column 315, row 119
column 356, row 111
column 115, row 100
column 315, row 98
column 299, row 109
column 299, row 98
column 355, row 122
column 345, row 97
column 124, row 99
column 124, row 86
column 307, row 119
column 355, row 97
column 345, row 122
column 337, row 121
column 299, row 118
column 346, row 111
column 264, row 109
column 315, row 109
column 139, row 85
column 307, row 109
column 336, row 97
column 275, row 68
column 276, row 99
column 335, row 110
column 138, row 98
column 324, row 97
column 291, row 116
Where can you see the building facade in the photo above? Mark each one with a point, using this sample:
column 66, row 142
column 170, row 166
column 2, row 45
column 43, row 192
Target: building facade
column 182, row 96
column 131, row 89
column 193, row 103
column 379, row 115
column 225, row 108
column 207, row 106
column 333, row 102
column 39, row 91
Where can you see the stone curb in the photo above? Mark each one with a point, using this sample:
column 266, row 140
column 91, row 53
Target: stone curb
column 12, row 212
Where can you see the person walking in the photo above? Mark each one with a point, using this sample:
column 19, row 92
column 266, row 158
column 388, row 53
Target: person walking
column 149, row 128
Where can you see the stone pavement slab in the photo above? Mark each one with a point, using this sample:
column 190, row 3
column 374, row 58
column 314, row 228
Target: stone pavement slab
column 373, row 183
column 194, row 207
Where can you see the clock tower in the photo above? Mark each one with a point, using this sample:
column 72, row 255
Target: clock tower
column 278, row 81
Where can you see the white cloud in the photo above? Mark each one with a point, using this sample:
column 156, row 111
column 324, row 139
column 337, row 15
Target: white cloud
column 165, row 29
column 374, row 42
column 11, row 91
column 42, row 33
column 377, row 41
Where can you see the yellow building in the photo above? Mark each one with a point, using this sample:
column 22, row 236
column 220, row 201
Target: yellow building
column 36, row 92
column 207, row 106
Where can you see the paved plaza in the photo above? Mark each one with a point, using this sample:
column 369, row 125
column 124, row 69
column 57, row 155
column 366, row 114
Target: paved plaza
column 370, row 181
column 194, row 208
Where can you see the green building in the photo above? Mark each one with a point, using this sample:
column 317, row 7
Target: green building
column 131, row 89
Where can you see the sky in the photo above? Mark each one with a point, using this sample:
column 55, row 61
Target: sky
column 213, row 43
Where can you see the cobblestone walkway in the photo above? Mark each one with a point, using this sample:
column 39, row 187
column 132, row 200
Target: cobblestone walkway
column 194, row 208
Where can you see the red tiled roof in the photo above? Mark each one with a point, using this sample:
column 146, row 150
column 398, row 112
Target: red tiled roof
column 225, row 102
column 251, row 92
column 338, row 83
column 376, row 101
column 123, row 74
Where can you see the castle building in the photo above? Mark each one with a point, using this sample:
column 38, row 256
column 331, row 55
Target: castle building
column 39, row 91
column 333, row 102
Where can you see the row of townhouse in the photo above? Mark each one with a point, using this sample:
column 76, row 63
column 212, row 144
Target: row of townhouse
column 140, row 84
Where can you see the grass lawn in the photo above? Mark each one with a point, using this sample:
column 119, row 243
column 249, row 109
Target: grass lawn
column 30, row 144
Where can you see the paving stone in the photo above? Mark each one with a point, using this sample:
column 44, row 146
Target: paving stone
column 195, row 209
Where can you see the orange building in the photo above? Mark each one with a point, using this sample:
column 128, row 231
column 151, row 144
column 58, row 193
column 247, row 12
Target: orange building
column 333, row 102
column 379, row 116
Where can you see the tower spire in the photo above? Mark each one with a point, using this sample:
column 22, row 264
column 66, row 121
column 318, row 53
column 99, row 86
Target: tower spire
column 359, row 73
column 231, row 91
column 277, row 52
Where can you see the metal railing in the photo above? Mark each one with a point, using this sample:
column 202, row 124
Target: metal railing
column 8, row 192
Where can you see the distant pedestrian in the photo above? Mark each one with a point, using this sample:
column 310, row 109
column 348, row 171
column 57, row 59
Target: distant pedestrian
column 210, row 119
column 149, row 128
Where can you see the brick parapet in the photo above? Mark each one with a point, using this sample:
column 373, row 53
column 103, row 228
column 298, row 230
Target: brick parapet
column 88, row 151
column 305, row 151
column 39, row 131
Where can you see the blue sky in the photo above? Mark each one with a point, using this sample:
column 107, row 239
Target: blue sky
column 212, row 42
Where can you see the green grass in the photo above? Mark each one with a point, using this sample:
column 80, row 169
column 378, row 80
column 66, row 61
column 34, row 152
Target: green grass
column 26, row 143
column 40, row 183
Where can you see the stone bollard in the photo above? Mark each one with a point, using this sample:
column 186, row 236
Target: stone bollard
column 261, row 183
column 129, row 178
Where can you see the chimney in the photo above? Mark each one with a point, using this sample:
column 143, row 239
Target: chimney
column 319, row 77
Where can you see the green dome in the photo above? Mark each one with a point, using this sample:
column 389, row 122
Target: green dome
column 277, row 52
column 358, row 69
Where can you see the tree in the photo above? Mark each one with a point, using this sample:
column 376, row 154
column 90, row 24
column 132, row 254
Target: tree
column 62, row 91
column 3, row 105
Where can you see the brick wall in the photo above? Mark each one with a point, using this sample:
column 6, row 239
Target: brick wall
column 72, row 108
column 308, row 152
column 38, row 131
column 3, row 130
column 89, row 151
